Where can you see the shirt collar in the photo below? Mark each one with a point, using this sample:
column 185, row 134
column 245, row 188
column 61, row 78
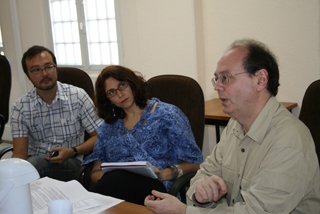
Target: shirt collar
column 261, row 124
column 35, row 99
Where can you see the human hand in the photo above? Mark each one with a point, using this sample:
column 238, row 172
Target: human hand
column 165, row 203
column 165, row 174
column 211, row 189
column 64, row 154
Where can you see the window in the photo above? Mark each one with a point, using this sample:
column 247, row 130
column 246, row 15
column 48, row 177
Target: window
column 84, row 32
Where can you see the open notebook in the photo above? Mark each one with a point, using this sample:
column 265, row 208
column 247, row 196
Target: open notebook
column 140, row 167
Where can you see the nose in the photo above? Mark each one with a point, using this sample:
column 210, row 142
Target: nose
column 218, row 85
column 45, row 72
column 119, row 93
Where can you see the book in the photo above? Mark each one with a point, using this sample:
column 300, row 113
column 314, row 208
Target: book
column 139, row 167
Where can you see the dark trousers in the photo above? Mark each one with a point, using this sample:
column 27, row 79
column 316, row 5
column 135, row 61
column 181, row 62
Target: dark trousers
column 128, row 186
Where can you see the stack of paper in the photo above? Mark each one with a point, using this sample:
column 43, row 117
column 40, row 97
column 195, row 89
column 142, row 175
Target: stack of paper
column 46, row 189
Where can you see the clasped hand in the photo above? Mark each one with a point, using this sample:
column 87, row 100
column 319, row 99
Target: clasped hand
column 64, row 154
column 211, row 189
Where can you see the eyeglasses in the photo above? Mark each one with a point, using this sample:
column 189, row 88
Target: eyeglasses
column 224, row 78
column 47, row 68
column 121, row 86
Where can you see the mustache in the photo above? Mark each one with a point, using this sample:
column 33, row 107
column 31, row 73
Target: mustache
column 45, row 79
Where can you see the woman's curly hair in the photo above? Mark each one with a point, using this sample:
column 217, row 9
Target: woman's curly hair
column 136, row 82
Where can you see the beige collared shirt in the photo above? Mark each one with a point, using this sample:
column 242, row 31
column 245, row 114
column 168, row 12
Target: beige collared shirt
column 272, row 169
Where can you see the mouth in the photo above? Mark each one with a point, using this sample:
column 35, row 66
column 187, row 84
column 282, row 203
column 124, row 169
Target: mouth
column 45, row 80
column 223, row 101
column 125, row 100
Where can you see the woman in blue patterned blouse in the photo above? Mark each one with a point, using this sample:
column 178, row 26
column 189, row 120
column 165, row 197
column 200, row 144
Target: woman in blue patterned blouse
column 138, row 129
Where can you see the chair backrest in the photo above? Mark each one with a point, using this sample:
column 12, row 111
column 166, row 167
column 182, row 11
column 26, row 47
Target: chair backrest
column 79, row 78
column 5, row 88
column 76, row 77
column 185, row 93
column 310, row 112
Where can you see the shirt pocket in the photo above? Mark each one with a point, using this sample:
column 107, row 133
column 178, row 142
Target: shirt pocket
column 228, row 175
column 37, row 132
column 245, row 184
column 67, row 129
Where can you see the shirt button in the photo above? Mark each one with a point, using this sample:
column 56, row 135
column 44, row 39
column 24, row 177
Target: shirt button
column 232, row 200
column 243, row 150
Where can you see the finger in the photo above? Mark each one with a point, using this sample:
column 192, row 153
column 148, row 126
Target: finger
column 158, row 194
column 222, row 185
column 200, row 194
column 150, row 198
column 215, row 192
column 156, row 170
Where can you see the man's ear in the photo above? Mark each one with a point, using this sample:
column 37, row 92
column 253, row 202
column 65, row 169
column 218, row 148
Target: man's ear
column 262, row 79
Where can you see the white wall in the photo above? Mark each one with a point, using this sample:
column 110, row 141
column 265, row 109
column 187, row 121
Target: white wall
column 188, row 37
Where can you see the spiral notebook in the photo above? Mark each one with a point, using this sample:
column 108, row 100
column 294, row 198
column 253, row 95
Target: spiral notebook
column 139, row 167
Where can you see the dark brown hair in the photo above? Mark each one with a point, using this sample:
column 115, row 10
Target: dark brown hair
column 260, row 57
column 136, row 82
column 33, row 51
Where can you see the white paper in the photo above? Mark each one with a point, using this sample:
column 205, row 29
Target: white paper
column 144, row 168
column 46, row 189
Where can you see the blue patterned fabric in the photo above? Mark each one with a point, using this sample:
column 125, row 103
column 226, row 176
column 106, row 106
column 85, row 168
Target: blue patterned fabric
column 165, row 138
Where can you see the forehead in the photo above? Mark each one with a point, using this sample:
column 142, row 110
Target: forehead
column 111, row 83
column 40, row 59
column 232, row 61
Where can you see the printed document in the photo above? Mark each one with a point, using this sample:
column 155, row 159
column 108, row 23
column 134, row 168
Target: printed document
column 47, row 189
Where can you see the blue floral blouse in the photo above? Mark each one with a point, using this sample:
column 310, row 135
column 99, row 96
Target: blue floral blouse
column 163, row 137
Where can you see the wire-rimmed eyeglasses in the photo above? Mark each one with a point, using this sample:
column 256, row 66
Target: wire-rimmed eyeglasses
column 121, row 86
column 224, row 78
column 47, row 68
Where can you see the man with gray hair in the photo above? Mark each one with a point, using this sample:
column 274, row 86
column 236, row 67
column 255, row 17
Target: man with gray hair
column 265, row 161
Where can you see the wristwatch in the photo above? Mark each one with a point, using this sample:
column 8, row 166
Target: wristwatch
column 177, row 170
column 75, row 154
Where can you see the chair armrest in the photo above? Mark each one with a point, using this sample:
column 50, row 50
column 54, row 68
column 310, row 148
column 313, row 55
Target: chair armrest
column 2, row 124
column 179, row 185
column 5, row 150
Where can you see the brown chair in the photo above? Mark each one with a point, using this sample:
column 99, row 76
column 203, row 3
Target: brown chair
column 76, row 77
column 310, row 113
column 185, row 93
column 79, row 78
column 5, row 88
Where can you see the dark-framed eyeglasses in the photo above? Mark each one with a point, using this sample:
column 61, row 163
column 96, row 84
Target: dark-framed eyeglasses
column 121, row 86
column 224, row 78
column 47, row 68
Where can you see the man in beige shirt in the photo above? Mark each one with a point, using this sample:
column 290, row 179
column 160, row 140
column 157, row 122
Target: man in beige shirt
column 265, row 161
